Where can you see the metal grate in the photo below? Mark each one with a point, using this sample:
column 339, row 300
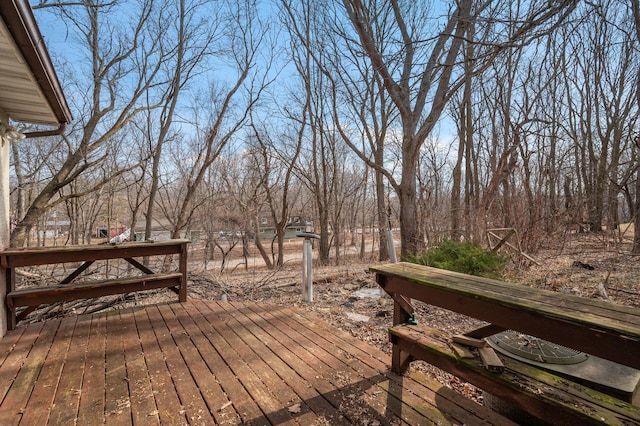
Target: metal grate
column 529, row 348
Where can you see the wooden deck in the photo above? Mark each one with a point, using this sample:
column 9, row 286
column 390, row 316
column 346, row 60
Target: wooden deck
column 205, row 362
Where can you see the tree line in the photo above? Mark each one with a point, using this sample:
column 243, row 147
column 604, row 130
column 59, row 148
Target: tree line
column 443, row 119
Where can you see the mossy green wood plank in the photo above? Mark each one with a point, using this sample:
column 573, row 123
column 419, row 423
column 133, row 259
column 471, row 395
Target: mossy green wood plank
column 170, row 410
column 40, row 402
column 470, row 284
column 557, row 394
column 608, row 337
column 17, row 397
column 92, row 402
column 431, row 391
column 602, row 308
column 14, row 351
column 67, row 398
column 240, row 406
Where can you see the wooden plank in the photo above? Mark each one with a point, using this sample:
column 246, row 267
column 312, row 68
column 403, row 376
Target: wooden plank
column 308, row 402
column 91, row 378
column 344, row 374
column 248, row 349
column 14, row 352
column 182, row 267
column 15, row 401
column 485, row 331
column 143, row 405
column 170, row 410
column 195, row 409
column 38, row 408
column 258, row 390
column 462, row 351
column 615, row 340
column 138, row 265
column 205, row 377
column 7, row 344
column 463, row 283
column 64, row 410
column 118, row 403
column 469, row 341
column 300, row 357
column 490, row 360
column 92, row 404
column 502, row 240
column 52, row 294
column 414, row 383
column 542, row 394
column 72, row 276
column 314, row 390
column 242, row 408
column 33, row 256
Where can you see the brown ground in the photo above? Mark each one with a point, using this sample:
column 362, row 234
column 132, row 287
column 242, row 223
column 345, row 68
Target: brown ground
column 565, row 266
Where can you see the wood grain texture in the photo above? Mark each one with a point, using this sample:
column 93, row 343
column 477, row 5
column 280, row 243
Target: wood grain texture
column 209, row 362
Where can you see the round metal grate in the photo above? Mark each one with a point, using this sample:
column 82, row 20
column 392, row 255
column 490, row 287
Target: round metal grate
column 529, row 348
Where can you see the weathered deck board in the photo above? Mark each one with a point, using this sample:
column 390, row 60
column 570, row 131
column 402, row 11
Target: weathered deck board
column 67, row 397
column 91, row 408
column 204, row 362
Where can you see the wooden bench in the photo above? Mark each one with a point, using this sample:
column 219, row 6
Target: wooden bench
column 598, row 328
column 68, row 289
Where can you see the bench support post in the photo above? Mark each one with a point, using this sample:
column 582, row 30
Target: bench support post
column 402, row 312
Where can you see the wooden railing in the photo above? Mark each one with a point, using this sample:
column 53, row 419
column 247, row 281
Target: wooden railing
column 70, row 288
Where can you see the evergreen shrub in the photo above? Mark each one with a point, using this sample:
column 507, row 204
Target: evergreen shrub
column 465, row 257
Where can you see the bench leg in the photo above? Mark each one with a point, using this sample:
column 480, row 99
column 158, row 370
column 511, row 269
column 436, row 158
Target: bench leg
column 402, row 311
column 400, row 360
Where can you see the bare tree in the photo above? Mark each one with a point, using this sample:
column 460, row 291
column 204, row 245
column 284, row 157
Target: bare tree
column 193, row 38
column 421, row 75
column 227, row 106
column 124, row 66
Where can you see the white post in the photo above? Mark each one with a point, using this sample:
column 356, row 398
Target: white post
column 307, row 262
column 4, row 212
column 307, row 271
column 391, row 246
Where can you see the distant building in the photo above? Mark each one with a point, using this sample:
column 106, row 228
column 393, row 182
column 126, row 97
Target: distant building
column 268, row 229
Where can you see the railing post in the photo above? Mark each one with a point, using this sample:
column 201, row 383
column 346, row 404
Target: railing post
column 182, row 296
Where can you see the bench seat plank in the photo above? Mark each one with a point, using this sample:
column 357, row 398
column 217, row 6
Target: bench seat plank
column 603, row 329
column 551, row 398
column 62, row 293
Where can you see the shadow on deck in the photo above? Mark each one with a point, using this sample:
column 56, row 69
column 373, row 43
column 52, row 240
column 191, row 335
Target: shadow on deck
column 206, row 362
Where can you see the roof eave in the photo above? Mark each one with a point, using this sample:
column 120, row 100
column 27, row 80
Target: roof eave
column 20, row 21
